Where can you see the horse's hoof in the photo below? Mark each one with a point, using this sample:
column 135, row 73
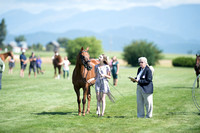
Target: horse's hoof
column 83, row 114
column 79, row 114
column 88, row 112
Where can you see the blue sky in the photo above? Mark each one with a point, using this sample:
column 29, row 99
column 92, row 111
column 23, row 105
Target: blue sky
column 37, row 6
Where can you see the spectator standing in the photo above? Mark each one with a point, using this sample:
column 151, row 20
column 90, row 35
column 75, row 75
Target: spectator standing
column 32, row 65
column 66, row 64
column 39, row 65
column 115, row 70
column 23, row 63
column 11, row 65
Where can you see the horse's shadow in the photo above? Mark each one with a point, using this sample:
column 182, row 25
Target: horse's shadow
column 57, row 113
column 183, row 113
column 119, row 117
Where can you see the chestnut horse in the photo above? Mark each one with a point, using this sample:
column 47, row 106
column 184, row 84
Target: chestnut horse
column 57, row 63
column 83, row 71
column 5, row 55
column 197, row 67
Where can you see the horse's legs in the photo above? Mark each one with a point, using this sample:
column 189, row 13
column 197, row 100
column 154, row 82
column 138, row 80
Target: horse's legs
column 84, row 99
column 78, row 99
column 197, row 78
column 55, row 72
column 89, row 99
column 59, row 71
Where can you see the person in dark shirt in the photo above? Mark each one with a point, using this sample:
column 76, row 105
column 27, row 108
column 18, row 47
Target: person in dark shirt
column 32, row 65
column 144, row 88
column 23, row 63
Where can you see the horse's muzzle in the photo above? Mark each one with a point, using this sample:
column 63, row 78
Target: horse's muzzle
column 89, row 67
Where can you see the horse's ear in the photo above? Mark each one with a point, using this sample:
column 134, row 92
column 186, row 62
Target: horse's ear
column 87, row 48
column 82, row 49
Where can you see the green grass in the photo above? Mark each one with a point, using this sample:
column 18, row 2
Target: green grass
column 173, row 56
column 44, row 104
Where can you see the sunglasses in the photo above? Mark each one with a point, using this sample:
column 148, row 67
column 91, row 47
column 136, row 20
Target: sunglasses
column 100, row 57
column 140, row 62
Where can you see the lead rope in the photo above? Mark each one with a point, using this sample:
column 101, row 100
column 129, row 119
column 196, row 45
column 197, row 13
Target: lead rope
column 85, row 79
column 116, row 89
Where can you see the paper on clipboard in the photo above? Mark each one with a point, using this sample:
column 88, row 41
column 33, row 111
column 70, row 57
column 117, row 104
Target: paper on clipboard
column 132, row 79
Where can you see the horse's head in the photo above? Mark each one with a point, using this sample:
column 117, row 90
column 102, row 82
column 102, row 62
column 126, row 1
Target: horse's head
column 197, row 60
column 85, row 58
column 11, row 54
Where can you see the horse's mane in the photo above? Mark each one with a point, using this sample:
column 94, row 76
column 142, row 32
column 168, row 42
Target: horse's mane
column 197, row 59
column 197, row 63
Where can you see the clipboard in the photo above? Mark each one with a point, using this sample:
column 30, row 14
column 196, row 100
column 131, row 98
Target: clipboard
column 132, row 79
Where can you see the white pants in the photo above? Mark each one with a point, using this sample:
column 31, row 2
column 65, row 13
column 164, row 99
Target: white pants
column 144, row 99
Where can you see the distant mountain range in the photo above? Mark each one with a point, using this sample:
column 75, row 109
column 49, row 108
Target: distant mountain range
column 174, row 30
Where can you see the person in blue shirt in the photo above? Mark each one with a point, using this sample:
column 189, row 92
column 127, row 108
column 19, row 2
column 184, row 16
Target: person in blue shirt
column 39, row 65
column 23, row 63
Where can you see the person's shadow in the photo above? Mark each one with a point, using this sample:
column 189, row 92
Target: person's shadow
column 109, row 116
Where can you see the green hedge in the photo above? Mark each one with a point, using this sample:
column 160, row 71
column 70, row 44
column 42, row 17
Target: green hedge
column 183, row 62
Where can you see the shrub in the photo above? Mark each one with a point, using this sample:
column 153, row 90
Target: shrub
column 74, row 46
column 141, row 49
column 183, row 62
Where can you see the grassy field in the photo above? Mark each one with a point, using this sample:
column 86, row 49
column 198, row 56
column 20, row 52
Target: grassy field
column 44, row 104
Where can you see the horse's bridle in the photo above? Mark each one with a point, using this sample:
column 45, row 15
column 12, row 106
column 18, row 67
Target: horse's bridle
column 197, row 60
column 85, row 63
